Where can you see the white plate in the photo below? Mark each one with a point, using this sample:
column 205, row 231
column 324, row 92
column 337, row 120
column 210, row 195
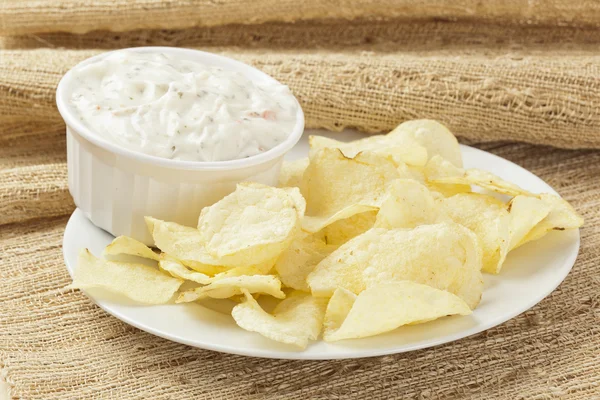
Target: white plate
column 529, row 274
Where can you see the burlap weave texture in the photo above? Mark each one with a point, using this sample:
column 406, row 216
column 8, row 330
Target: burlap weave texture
column 487, row 82
column 536, row 98
column 33, row 16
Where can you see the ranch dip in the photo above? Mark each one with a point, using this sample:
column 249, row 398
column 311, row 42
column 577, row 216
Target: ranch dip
column 179, row 109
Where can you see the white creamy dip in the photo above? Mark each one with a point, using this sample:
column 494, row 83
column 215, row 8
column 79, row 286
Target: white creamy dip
column 180, row 109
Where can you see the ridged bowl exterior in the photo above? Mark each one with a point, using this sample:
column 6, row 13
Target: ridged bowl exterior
column 116, row 192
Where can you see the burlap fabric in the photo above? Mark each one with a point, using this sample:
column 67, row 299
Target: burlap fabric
column 535, row 97
column 32, row 16
column 488, row 82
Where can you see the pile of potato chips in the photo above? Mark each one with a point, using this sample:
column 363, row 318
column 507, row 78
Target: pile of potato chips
column 359, row 239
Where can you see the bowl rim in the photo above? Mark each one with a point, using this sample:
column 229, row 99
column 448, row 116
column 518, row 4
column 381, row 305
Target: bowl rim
column 73, row 123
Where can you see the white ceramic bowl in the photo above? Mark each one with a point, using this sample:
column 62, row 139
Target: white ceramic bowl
column 116, row 187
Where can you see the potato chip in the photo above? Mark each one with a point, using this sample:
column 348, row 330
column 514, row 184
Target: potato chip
column 408, row 204
column 139, row 282
column 294, row 265
column 176, row 269
column 254, row 224
column 481, row 178
column 561, row 216
column 488, row 219
column 150, row 223
column 296, row 320
column 437, row 168
column 298, row 200
column 414, row 173
column 211, row 270
column 130, row 246
column 233, row 286
column 494, row 183
column 385, row 307
column 263, row 268
column 432, row 135
column 314, row 224
column 337, row 310
column 185, row 244
column 316, row 142
column 446, row 256
column 401, row 149
column 291, row 172
column 343, row 230
column 525, row 213
column 338, row 187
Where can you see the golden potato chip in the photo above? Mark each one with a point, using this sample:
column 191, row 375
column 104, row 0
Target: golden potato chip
column 438, row 168
column 178, row 270
column 263, row 268
column 337, row 310
column 294, row 265
column 210, row 270
column 130, row 246
column 298, row 200
column 338, row 187
column 408, row 204
column 494, row 183
column 446, row 256
column 473, row 176
column 232, row 286
column 401, row 149
column 296, row 320
column 525, row 213
column 139, row 282
column 385, row 307
column 291, row 172
column 150, row 223
column 316, row 142
column 185, row 244
column 414, row 173
column 561, row 216
column 313, row 224
column 254, row 224
column 488, row 219
column 432, row 135
column 343, row 230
